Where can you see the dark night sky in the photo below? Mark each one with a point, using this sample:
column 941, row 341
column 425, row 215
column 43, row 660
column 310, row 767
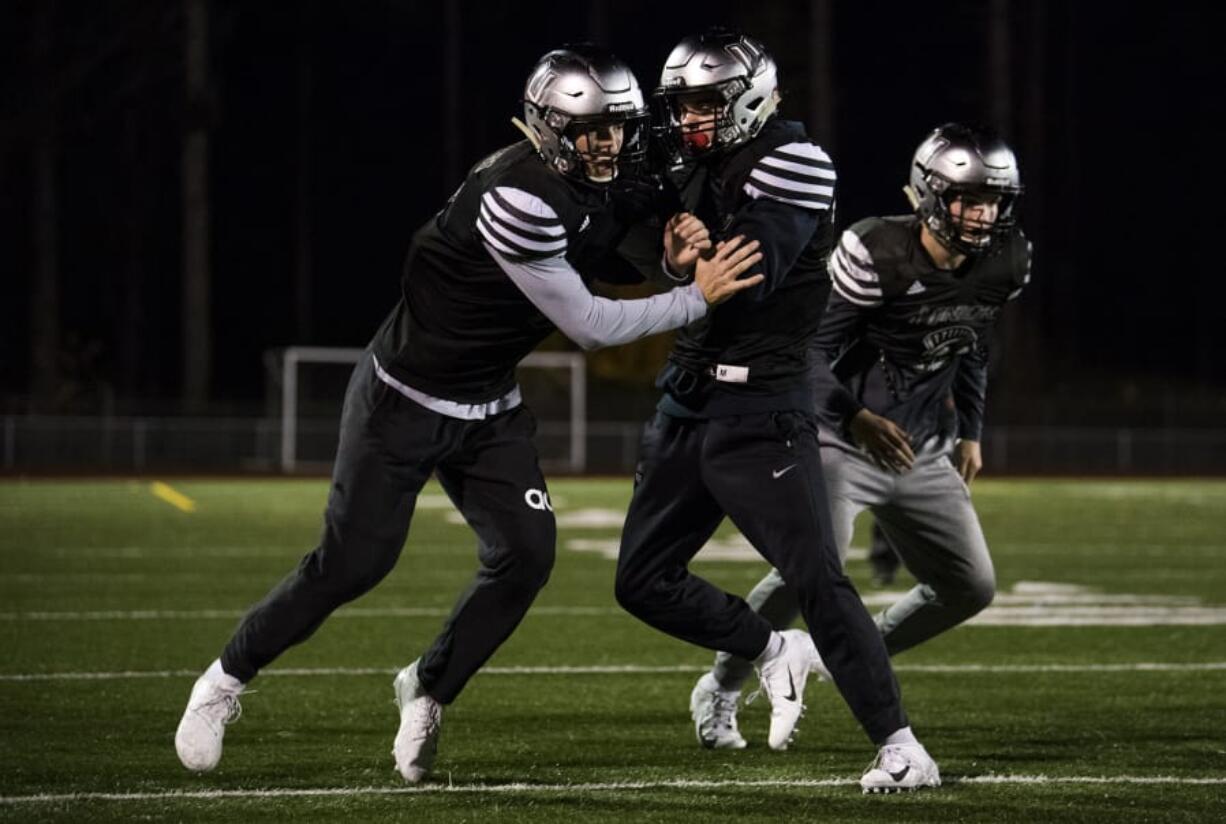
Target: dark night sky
column 1113, row 114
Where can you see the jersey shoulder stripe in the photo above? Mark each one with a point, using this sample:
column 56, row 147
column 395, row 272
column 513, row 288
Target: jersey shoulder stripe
column 852, row 272
column 806, row 154
column 799, row 173
column 520, row 225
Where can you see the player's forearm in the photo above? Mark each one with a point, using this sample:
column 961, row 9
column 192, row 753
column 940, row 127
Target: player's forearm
column 558, row 291
column 783, row 232
column 832, row 399
column 970, row 393
column 970, row 421
column 603, row 322
column 839, row 338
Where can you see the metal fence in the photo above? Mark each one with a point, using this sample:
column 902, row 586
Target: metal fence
column 50, row 444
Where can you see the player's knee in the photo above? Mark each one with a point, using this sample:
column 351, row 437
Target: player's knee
column 525, row 565
column 630, row 590
column 524, row 553
column 817, row 575
column 348, row 574
column 977, row 594
column 536, row 565
column 624, row 590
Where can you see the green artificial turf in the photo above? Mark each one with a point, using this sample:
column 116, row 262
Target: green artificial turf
column 112, row 599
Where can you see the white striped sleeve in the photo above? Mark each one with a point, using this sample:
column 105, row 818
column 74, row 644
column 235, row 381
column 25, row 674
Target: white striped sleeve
column 519, row 225
column 558, row 291
column 797, row 173
column 1026, row 276
column 852, row 272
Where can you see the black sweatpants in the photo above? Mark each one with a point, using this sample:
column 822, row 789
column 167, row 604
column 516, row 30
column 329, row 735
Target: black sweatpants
column 764, row 472
column 389, row 445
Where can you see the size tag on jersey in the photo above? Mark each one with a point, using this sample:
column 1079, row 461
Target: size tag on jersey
column 731, row 374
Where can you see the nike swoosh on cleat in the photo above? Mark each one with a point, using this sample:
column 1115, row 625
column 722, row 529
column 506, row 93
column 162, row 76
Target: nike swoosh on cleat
column 791, row 696
column 901, row 774
column 779, row 473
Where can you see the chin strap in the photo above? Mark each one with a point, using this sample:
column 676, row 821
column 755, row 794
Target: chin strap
column 528, row 133
column 912, row 197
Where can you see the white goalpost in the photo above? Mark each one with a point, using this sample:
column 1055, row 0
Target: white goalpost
column 293, row 357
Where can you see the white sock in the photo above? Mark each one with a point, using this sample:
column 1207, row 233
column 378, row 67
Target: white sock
column 225, row 679
column 901, row 736
column 774, row 646
column 711, row 683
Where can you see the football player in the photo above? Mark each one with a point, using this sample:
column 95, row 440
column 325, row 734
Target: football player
column 485, row 281
column 734, row 434
column 883, row 561
column 906, row 333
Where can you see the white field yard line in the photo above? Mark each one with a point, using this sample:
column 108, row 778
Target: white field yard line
column 1044, row 611
column 204, row 614
column 1039, row 603
column 717, row 546
column 610, row 786
column 1041, row 616
column 631, row 669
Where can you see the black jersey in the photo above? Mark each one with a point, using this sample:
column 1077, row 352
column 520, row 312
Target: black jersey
column 461, row 325
column 751, row 353
column 903, row 337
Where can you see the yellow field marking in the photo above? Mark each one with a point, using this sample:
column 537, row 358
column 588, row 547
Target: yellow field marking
column 172, row 496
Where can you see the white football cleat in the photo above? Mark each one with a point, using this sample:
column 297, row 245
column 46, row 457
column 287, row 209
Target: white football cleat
column 421, row 717
column 783, row 680
column 901, row 768
column 213, row 704
column 714, row 713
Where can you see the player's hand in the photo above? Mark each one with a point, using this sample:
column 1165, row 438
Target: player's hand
column 719, row 276
column 685, row 239
column 968, row 459
column 886, row 442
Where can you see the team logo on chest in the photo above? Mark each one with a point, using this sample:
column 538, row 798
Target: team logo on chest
column 942, row 344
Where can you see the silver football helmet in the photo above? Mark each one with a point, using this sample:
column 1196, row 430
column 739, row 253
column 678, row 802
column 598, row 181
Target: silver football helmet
column 716, row 91
column 968, row 162
column 585, row 113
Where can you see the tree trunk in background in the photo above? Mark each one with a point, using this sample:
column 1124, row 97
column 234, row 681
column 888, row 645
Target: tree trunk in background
column 45, row 294
column 821, row 74
column 197, row 343
column 1032, row 160
column 303, row 224
column 132, row 328
column 1062, row 275
column 1000, row 76
column 598, row 25
column 453, row 146
column 1012, row 332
